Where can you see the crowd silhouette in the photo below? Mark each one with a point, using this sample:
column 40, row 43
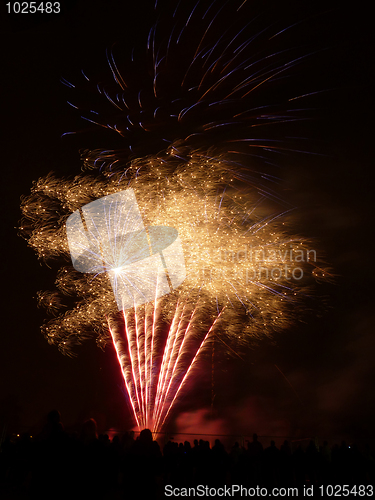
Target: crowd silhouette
column 58, row 465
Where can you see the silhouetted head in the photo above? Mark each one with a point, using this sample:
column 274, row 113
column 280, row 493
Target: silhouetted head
column 54, row 417
column 145, row 436
column 89, row 430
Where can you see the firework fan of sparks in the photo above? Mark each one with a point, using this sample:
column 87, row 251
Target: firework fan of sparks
column 243, row 277
column 241, row 273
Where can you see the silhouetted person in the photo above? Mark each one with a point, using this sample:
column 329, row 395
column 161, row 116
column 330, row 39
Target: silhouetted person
column 255, row 448
column 237, row 463
column 312, row 461
column 286, row 465
column 298, row 460
column 325, row 463
column 50, row 468
column 53, row 429
column 254, row 456
column 271, row 465
column 93, row 473
column 89, row 432
column 141, row 479
column 220, row 462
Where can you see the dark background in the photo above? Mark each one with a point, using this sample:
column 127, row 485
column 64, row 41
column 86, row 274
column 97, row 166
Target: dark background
column 316, row 378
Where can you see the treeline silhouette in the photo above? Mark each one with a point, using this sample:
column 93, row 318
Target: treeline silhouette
column 58, row 465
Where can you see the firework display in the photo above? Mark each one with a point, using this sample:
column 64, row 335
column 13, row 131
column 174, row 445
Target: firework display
column 165, row 252
column 245, row 273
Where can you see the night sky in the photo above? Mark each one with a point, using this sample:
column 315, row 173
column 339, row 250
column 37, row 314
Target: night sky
column 317, row 378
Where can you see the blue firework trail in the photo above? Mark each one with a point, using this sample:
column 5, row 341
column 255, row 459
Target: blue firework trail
column 210, row 79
